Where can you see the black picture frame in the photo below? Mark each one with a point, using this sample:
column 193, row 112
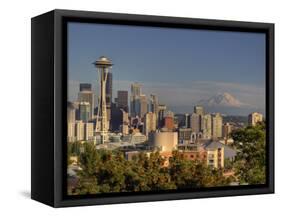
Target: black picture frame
column 49, row 94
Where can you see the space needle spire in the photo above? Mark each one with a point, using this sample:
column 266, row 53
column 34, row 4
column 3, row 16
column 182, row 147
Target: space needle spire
column 103, row 65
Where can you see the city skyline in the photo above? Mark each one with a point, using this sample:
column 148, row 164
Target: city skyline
column 152, row 110
column 185, row 86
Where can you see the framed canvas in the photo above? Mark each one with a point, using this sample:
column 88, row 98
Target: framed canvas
column 133, row 108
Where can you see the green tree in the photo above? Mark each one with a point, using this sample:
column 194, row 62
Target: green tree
column 135, row 174
column 73, row 149
column 90, row 161
column 250, row 162
column 104, row 171
column 158, row 177
column 194, row 174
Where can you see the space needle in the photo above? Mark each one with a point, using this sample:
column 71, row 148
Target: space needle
column 103, row 65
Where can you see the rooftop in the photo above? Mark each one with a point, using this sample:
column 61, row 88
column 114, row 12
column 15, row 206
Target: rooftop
column 229, row 152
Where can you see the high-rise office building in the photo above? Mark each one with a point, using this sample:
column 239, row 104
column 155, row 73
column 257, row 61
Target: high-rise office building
column 122, row 99
column 108, row 89
column 154, row 104
column 84, row 111
column 119, row 119
column 217, row 126
column 207, row 126
column 88, row 131
column 170, row 114
column 71, row 112
column 86, row 95
column 79, row 130
column 199, row 110
column 116, row 118
column 116, row 100
column 187, row 120
column 149, row 123
column 71, row 118
column 169, row 123
column 71, row 132
column 85, row 87
column 254, row 118
column 125, row 123
column 108, row 93
column 136, row 89
column 195, row 122
column 143, row 105
column 135, row 99
column 135, row 107
column 161, row 115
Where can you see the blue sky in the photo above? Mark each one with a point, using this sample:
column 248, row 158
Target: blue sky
column 181, row 66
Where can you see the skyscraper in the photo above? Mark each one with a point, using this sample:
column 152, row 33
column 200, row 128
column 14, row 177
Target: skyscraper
column 125, row 122
column 169, row 123
column 187, row 120
column 116, row 118
column 195, row 122
column 108, row 93
column 135, row 99
column 217, row 126
column 254, row 118
column 207, row 126
column 149, row 123
column 143, row 105
column 71, row 112
column 79, row 130
column 199, row 110
column 136, row 89
column 71, row 132
column 85, row 87
column 84, row 111
column 86, row 95
column 122, row 99
column 88, row 131
column 71, row 117
column 169, row 114
column 154, row 104
column 161, row 114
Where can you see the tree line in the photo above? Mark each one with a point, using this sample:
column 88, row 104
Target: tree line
column 105, row 171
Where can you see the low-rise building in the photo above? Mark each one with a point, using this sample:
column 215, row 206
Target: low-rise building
column 164, row 141
column 215, row 157
column 184, row 134
column 134, row 138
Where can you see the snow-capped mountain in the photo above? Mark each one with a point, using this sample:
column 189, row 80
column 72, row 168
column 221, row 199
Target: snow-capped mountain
column 221, row 100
